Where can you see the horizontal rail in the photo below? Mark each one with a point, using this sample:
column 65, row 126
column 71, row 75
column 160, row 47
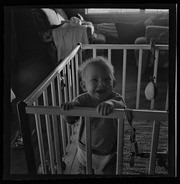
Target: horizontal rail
column 38, row 91
column 124, row 46
column 91, row 112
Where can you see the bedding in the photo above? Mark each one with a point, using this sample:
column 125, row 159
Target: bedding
column 59, row 33
column 66, row 38
column 53, row 17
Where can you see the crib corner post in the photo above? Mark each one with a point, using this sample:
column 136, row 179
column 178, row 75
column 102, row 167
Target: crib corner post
column 80, row 45
column 80, row 54
column 26, row 134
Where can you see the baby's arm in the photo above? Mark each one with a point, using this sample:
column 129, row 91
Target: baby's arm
column 108, row 106
column 67, row 106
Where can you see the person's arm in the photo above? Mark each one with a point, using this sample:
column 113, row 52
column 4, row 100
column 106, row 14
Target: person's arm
column 67, row 106
column 108, row 106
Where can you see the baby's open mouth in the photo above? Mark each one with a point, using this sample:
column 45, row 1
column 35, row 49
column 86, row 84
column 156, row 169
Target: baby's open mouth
column 101, row 91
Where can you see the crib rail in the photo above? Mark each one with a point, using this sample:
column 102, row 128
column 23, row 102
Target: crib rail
column 61, row 85
column 125, row 48
column 151, row 115
column 58, row 73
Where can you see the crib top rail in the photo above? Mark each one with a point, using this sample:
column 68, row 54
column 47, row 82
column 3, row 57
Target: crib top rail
column 38, row 91
column 91, row 112
column 124, row 46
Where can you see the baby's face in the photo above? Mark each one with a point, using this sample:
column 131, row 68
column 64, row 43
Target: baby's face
column 98, row 82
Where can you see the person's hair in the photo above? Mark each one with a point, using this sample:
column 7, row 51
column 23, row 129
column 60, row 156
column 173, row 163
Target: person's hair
column 98, row 61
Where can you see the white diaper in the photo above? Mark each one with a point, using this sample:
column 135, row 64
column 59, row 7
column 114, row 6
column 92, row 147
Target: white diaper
column 98, row 161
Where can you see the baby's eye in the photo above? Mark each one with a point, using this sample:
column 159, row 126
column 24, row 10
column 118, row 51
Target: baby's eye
column 108, row 79
column 94, row 80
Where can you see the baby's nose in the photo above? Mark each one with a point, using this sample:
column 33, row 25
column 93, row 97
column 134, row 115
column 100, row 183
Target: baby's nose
column 101, row 83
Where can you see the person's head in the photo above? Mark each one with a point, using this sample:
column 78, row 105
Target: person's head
column 97, row 78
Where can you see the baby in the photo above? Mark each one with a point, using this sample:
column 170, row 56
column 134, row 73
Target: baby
column 97, row 82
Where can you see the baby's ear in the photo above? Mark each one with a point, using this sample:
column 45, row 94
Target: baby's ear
column 114, row 83
column 83, row 86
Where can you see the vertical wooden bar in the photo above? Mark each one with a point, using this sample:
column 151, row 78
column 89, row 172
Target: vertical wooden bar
column 63, row 132
column 154, row 146
column 109, row 55
column 72, row 62
column 49, row 135
column 40, row 141
column 73, row 72
column 155, row 73
column 66, row 100
column 26, row 134
column 88, row 146
column 139, row 79
column 120, row 142
column 61, row 119
column 57, row 146
column 124, row 72
column 66, row 85
column 80, row 56
column 77, row 76
column 69, row 81
column 56, row 135
column 70, row 95
column 94, row 52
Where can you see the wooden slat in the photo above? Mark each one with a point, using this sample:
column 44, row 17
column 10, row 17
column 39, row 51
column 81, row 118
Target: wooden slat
column 73, row 89
column 91, row 112
column 69, row 82
column 40, row 141
column 88, row 146
column 80, row 56
column 73, row 77
column 77, row 76
column 154, row 146
column 124, row 72
column 49, row 135
column 66, row 95
column 58, row 153
column 66, row 85
column 155, row 73
column 94, row 52
column 120, row 142
column 109, row 55
column 123, row 46
column 139, row 79
column 63, row 135
column 59, row 88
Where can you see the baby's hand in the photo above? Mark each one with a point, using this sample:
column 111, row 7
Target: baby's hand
column 67, row 105
column 105, row 108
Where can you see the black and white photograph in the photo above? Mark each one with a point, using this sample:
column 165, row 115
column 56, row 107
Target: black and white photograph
column 90, row 91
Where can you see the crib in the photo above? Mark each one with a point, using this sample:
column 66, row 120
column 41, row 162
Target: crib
column 47, row 138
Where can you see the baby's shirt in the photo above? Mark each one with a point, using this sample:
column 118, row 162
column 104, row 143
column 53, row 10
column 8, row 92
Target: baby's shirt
column 103, row 130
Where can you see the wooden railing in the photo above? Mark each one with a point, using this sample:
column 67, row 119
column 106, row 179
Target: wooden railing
column 62, row 85
column 125, row 49
column 118, row 114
